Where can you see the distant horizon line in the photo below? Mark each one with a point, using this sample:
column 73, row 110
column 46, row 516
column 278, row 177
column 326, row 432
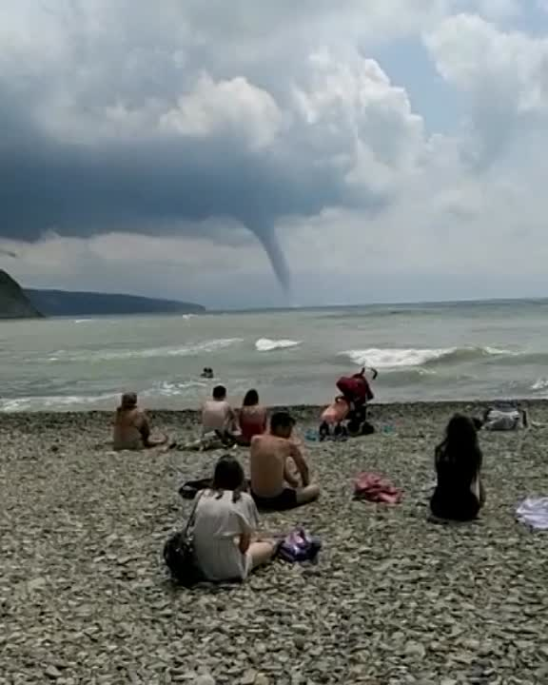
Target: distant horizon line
column 417, row 303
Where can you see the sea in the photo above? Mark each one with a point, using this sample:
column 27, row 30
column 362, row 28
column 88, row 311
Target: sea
column 423, row 352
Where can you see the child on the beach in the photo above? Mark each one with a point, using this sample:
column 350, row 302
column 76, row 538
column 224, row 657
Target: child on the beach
column 332, row 418
column 459, row 493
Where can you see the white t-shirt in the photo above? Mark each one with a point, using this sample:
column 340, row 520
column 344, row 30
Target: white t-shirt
column 219, row 522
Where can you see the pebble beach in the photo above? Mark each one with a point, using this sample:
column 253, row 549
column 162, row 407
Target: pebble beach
column 394, row 599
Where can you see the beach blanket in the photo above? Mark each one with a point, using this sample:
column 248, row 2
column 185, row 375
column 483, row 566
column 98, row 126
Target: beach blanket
column 375, row 488
column 534, row 512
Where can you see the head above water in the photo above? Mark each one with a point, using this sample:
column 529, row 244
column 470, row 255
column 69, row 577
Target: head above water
column 228, row 475
column 282, row 424
column 219, row 392
column 251, row 398
column 129, row 401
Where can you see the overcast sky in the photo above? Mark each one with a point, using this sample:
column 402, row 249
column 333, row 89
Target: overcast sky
column 254, row 153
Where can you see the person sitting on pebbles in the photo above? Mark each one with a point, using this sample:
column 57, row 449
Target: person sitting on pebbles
column 226, row 545
column 132, row 427
column 459, row 494
column 252, row 418
column 280, row 477
column 218, row 416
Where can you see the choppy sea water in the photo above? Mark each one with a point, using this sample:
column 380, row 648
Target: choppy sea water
column 423, row 352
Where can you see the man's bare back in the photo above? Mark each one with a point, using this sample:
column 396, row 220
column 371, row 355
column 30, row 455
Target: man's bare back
column 128, row 427
column 269, row 464
column 280, row 478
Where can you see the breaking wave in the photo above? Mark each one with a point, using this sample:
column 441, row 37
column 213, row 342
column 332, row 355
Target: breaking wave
column 404, row 358
column 267, row 345
column 150, row 353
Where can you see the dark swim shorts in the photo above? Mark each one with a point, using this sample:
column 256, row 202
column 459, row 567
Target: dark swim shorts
column 287, row 499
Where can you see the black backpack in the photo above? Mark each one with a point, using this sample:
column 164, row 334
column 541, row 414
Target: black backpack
column 179, row 555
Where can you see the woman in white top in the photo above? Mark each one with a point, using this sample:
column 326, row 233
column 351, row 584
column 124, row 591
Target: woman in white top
column 226, row 520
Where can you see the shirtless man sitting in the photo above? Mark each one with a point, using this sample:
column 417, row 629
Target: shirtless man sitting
column 217, row 414
column 131, row 426
column 280, row 478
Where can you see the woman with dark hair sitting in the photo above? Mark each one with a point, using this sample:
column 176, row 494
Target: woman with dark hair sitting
column 459, row 493
column 226, row 522
column 252, row 418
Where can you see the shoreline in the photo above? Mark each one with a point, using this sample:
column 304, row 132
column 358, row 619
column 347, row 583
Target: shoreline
column 402, row 417
column 465, row 405
column 394, row 598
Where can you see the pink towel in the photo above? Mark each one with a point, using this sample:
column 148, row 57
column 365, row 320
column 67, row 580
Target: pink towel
column 374, row 488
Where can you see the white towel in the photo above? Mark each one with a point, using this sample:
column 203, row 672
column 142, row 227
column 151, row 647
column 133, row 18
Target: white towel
column 534, row 512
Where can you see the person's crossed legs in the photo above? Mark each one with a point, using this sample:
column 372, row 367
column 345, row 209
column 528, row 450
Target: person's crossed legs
column 261, row 552
column 308, row 494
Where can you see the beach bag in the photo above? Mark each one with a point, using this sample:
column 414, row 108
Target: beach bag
column 178, row 554
column 505, row 418
column 299, row 546
column 374, row 488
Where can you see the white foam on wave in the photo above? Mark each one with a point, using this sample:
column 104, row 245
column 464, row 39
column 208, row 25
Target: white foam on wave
column 168, row 389
column 56, row 402
column 540, row 384
column 150, row 353
column 410, row 357
column 268, row 345
column 396, row 358
column 495, row 351
column 163, row 389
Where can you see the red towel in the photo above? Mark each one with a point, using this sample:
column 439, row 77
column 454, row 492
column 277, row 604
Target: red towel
column 374, row 488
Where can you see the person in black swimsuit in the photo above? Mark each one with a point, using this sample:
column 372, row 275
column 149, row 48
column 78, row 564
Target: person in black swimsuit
column 459, row 493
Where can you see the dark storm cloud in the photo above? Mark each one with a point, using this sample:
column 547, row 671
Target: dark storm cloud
column 146, row 187
column 263, row 162
column 82, row 192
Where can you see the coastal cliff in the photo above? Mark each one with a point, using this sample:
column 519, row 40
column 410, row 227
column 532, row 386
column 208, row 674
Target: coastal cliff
column 14, row 303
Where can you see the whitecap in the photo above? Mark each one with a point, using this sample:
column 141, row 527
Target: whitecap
column 540, row 384
column 495, row 351
column 168, row 389
column 396, row 358
column 411, row 357
column 149, row 353
column 56, row 402
column 268, row 345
